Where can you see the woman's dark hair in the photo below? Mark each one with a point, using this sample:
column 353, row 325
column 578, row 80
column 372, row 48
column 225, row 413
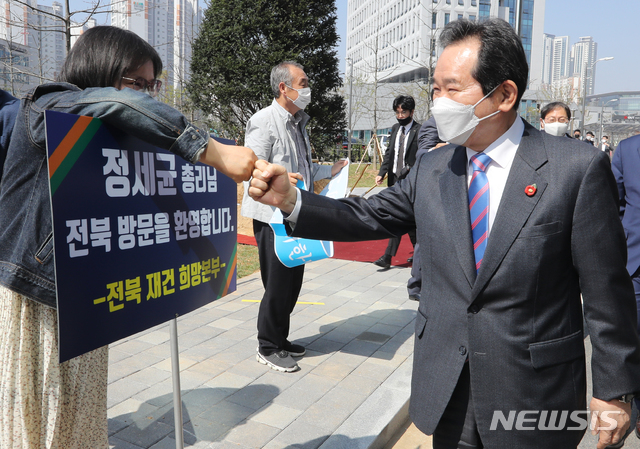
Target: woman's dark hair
column 501, row 56
column 555, row 105
column 104, row 54
column 405, row 101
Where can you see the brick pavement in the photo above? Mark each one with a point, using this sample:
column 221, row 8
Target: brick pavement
column 352, row 390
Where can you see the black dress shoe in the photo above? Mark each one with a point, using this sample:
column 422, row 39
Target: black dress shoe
column 414, row 297
column 410, row 260
column 383, row 262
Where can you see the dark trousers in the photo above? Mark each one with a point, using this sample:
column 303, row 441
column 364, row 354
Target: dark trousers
column 394, row 244
column 281, row 289
column 636, row 287
column 457, row 428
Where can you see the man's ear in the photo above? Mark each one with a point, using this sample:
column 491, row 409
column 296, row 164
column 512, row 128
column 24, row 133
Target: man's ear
column 507, row 95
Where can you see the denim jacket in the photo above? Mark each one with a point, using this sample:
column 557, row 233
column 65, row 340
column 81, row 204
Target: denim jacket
column 270, row 135
column 26, row 238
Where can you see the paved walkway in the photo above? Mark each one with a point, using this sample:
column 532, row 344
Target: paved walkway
column 352, row 390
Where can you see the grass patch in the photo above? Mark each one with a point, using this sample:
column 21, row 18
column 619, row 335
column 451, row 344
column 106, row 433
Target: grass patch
column 368, row 178
column 248, row 262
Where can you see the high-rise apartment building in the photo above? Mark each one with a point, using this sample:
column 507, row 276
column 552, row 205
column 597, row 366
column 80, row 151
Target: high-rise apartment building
column 170, row 26
column 560, row 59
column 33, row 43
column 395, row 40
column 584, row 53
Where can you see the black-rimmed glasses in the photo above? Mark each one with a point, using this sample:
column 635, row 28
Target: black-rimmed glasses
column 140, row 83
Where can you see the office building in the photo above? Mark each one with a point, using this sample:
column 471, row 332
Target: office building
column 395, row 40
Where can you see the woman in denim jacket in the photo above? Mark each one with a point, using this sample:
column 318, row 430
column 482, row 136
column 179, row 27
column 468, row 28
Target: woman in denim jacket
column 44, row 403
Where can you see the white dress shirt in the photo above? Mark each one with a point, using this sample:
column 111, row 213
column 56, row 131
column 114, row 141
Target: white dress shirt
column 502, row 152
column 397, row 145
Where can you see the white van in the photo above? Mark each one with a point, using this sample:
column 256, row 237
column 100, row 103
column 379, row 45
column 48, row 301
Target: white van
column 384, row 143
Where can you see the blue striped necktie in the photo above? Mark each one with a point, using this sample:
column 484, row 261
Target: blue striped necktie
column 479, row 205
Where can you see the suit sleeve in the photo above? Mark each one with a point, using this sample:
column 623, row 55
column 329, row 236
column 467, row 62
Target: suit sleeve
column 387, row 161
column 428, row 135
column 617, row 168
column 387, row 214
column 599, row 256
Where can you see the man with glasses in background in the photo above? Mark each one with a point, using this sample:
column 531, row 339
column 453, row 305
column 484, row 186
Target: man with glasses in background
column 554, row 119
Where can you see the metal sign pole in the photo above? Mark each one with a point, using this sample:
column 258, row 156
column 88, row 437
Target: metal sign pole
column 175, row 374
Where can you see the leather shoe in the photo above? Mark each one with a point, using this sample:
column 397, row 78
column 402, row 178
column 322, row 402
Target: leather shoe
column 383, row 262
column 414, row 297
column 410, row 260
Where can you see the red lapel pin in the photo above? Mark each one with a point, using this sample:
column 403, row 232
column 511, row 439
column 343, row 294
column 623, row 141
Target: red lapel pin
column 530, row 190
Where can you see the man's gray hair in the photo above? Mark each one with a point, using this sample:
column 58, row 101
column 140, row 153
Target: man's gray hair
column 282, row 74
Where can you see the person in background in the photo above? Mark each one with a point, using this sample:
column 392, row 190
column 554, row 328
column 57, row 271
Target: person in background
column 398, row 160
column 604, row 146
column 278, row 134
column 111, row 74
column 590, row 138
column 625, row 165
column 8, row 111
column 554, row 119
column 577, row 135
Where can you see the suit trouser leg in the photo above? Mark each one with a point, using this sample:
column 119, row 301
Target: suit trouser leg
column 392, row 247
column 281, row 289
column 457, row 428
column 636, row 287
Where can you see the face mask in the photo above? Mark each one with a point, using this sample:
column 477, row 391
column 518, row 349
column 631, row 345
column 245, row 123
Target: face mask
column 604, row 140
column 404, row 121
column 576, row 136
column 304, row 97
column 556, row 128
column 456, row 121
column 590, row 139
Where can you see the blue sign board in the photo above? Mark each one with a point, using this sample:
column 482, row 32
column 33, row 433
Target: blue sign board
column 141, row 236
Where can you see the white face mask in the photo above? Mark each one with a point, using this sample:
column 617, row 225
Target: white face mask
column 304, row 97
column 456, row 121
column 556, row 128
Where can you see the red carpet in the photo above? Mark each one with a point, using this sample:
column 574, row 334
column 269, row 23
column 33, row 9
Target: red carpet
column 368, row 251
column 371, row 250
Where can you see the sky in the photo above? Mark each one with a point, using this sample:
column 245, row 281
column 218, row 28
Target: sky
column 613, row 24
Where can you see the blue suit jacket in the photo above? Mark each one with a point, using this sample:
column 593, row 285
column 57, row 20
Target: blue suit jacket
column 626, row 168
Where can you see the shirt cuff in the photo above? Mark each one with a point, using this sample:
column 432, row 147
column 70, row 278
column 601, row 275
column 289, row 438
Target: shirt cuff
column 292, row 218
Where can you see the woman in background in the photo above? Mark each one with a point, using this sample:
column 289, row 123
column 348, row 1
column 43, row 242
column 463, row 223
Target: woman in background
column 107, row 74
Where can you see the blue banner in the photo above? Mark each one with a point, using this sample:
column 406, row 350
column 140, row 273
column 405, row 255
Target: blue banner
column 141, row 236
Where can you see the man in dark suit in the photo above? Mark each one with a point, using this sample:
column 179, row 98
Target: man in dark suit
column 626, row 169
column 398, row 160
column 499, row 354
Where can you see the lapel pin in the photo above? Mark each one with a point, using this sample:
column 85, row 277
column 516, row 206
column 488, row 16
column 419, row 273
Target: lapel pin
column 530, row 190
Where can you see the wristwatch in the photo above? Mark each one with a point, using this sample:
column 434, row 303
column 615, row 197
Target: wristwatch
column 626, row 398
